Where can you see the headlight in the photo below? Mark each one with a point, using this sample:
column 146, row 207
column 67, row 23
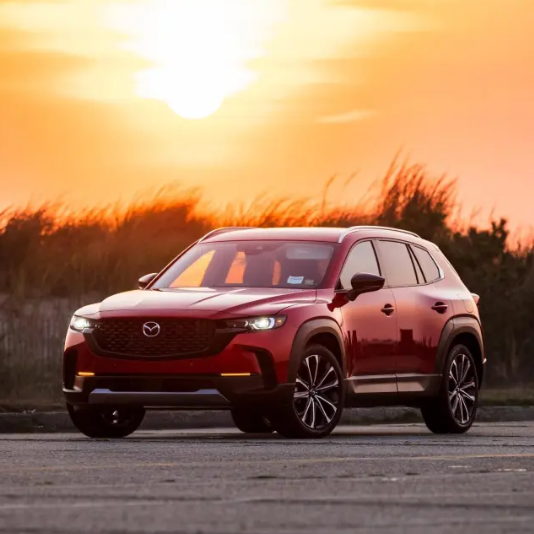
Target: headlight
column 255, row 324
column 79, row 323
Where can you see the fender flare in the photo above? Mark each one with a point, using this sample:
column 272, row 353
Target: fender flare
column 463, row 324
column 305, row 333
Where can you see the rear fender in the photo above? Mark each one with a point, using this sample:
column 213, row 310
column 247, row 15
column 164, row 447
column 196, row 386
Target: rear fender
column 464, row 324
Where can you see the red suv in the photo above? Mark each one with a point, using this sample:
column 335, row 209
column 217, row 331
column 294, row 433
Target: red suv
column 284, row 327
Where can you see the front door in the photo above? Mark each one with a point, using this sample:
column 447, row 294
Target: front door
column 370, row 327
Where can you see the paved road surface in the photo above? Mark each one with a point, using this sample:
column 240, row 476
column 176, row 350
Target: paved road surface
column 378, row 479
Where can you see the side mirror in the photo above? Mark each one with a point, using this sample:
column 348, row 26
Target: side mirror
column 364, row 283
column 145, row 280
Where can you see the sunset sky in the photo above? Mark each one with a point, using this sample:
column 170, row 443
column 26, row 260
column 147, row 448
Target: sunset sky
column 102, row 99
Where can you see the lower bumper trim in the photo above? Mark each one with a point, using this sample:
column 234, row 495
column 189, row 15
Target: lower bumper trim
column 200, row 398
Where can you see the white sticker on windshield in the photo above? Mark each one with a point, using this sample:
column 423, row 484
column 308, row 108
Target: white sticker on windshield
column 295, row 280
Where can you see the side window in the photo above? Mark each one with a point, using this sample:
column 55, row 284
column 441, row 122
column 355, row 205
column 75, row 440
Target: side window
column 398, row 264
column 418, row 271
column 428, row 265
column 361, row 259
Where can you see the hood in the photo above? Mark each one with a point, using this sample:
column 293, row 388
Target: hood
column 201, row 301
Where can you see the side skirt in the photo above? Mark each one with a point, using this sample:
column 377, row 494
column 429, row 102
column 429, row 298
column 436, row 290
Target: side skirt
column 391, row 390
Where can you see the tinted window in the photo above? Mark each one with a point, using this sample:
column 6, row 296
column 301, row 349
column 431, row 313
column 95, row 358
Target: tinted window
column 397, row 264
column 428, row 265
column 361, row 259
column 418, row 271
column 249, row 264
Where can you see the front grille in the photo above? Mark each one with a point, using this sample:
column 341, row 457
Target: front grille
column 176, row 336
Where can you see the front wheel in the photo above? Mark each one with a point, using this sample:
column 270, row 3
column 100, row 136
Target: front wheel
column 318, row 397
column 106, row 422
column 454, row 410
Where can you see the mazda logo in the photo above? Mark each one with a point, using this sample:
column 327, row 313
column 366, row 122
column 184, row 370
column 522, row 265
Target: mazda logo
column 151, row 329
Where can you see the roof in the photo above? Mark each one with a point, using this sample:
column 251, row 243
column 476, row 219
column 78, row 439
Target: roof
column 332, row 235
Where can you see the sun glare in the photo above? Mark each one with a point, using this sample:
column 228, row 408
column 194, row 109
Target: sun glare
column 199, row 50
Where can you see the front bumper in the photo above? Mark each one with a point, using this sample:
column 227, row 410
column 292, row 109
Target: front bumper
column 176, row 392
column 201, row 382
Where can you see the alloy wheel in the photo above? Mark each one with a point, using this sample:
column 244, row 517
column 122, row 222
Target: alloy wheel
column 317, row 392
column 462, row 389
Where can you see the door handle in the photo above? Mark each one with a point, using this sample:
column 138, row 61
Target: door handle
column 440, row 307
column 388, row 309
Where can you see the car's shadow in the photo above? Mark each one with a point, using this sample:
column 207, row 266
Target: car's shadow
column 355, row 434
column 342, row 434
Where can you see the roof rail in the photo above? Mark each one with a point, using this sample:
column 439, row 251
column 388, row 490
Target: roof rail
column 224, row 229
column 356, row 228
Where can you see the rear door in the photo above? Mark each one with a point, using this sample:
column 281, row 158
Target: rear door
column 423, row 309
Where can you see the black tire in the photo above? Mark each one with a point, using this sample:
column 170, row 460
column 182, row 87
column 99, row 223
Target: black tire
column 106, row 422
column 251, row 422
column 454, row 410
column 314, row 411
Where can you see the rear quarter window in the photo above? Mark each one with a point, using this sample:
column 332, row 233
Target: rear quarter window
column 427, row 264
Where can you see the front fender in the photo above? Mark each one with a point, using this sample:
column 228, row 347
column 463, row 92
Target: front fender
column 303, row 336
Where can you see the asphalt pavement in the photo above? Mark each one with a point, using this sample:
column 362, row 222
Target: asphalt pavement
column 379, row 479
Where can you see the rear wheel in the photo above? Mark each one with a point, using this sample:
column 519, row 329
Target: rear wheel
column 454, row 410
column 318, row 397
column 106, row 422
column 251, row 422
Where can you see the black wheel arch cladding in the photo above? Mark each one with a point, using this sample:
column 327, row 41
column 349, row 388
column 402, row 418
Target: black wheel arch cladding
column 305, row 334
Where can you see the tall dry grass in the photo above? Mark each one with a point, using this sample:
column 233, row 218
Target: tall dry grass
column 49, row 255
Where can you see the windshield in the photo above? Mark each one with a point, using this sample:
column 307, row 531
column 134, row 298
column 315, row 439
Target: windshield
column 250, row 264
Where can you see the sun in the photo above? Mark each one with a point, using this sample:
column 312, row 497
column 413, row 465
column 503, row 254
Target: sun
column 199, row 50
column 190, row 93
column 195, row 105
